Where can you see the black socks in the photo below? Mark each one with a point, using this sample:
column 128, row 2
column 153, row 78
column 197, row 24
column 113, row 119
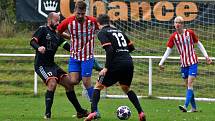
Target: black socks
column 73, row 99
column 49, row 101
column 133, row 98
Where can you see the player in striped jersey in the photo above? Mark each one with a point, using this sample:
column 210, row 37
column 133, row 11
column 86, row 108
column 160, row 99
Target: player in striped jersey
column 82, row 35
column 184, row 40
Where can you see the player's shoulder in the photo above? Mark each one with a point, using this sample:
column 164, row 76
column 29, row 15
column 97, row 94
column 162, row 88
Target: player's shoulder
column 101, row 32
column 70, row 18
column 42, row 28
column 174, row 33
column 104, row 30
column 190, row 30
column 91, row 18
column 173, row 36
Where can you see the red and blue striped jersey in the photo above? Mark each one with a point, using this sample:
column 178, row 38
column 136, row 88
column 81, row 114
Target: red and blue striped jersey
column 185, row 46
column 82, row 36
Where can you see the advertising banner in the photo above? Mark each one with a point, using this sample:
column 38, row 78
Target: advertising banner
column 121, row 10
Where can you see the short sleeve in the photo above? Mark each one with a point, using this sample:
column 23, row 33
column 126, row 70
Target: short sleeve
column 170, row 42
column 38, row 34
column 103, row 38
column 63, row 25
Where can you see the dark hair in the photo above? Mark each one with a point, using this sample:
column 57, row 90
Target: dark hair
column 103, row 19
column 80, row 5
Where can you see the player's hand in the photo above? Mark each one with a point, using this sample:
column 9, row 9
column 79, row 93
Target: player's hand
column 161, row 67
column 208, row 60
column 42, row 49
column 103, row 72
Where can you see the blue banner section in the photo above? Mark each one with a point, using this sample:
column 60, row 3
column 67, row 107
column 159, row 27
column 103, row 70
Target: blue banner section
column 27, row 10
column 36, row 10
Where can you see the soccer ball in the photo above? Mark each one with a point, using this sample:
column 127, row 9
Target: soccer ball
column 123, row 112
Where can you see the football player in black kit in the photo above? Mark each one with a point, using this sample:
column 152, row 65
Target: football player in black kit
column 46, row 42
column 118, row 67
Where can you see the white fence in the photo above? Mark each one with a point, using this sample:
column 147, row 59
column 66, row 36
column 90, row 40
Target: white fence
column 150, row 58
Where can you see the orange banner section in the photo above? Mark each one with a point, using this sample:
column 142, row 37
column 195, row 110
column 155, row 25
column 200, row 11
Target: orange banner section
column 159, row 9
column 117, row 10
column 65, row 8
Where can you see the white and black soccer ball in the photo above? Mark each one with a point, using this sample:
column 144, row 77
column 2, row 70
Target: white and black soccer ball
column 123, row 112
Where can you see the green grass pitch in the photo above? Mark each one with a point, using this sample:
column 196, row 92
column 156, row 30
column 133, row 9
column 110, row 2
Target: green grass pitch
column 29, row 108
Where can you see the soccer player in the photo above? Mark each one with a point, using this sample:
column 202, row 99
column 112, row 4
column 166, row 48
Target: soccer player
column 184, row 40
column 118, row 67
column 46, row 42
column 82, row 30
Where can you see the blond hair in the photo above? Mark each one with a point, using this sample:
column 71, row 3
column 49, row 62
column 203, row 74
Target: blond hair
column 178, row 19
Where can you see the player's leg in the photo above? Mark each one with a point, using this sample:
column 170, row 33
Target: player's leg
column 184, row 74
column 193, row 104
column 88, row 86
column 96, row 96
column 125, row 79
column 95, row 100
column 48, row 76
column 71, row 95
column 67, row 83
column 191, row 72
column 189, row 96
column 132, row 97
column 74, row 70
column 189, row 93
column 49, row 96
column 134, row 100
column 91, row 91
column 97, row 67
column 84, row 92
column 86, row 72
column 87, row 67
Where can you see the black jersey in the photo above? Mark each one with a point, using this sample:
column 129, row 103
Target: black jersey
column 120, row 44
column 48, row 38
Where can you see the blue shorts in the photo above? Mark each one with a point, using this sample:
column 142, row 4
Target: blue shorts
column 84, row 67
column 189, row 71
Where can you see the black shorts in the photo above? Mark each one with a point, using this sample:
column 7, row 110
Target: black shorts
column 47, row 72
column 122, row 74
